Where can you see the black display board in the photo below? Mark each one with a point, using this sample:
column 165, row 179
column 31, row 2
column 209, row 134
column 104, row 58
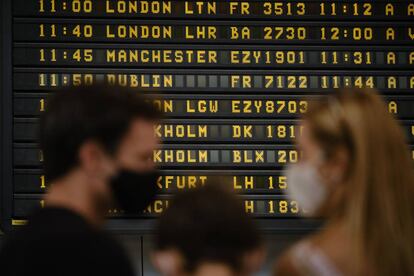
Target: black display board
column 232, row 77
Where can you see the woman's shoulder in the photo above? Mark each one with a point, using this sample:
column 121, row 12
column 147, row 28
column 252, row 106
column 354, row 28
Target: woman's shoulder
column 305, row 257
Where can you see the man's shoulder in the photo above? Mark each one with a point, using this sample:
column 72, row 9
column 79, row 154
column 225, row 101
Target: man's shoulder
column 61, row 240
column 58, row 218
column 54, row 230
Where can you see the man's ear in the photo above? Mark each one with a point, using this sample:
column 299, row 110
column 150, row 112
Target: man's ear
column 90, row 155
column 167, row 262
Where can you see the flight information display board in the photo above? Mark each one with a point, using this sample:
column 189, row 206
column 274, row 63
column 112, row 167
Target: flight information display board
column 232, row 77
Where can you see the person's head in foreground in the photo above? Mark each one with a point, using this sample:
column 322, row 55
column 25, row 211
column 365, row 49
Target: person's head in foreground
column 356, row 172
column 205, row 231
column 98, row 144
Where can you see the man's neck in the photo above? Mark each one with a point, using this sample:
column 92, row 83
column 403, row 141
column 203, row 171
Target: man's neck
column 72, row 192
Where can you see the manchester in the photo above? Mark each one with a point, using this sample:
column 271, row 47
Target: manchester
column 161, row 56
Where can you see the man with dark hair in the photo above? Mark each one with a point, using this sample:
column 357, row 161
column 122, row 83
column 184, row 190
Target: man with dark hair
column 97, row 144
column 205, row 231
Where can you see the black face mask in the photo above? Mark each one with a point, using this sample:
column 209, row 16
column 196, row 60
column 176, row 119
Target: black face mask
column 134, row 191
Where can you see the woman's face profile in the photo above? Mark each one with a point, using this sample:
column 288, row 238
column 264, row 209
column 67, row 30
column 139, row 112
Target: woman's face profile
column 331, row 170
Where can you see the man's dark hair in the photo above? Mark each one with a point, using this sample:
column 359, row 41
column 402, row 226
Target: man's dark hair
column 77, row 114
column 208, row 224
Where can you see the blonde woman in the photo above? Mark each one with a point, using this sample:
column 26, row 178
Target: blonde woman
column 356, row 172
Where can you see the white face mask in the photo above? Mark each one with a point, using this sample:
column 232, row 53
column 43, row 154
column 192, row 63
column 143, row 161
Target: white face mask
column 304, row 185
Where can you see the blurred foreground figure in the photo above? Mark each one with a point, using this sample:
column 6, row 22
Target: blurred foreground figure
column 206, row 232
column 97, row 145
column 357, row 173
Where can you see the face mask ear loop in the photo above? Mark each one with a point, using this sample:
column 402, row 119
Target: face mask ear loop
column 322, row 159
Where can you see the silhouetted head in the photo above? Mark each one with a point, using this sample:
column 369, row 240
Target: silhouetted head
column 206, row 226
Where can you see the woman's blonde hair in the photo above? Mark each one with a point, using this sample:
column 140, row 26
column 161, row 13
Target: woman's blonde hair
column 377, row 203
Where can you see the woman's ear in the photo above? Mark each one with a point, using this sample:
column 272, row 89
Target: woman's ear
column 334, row 171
